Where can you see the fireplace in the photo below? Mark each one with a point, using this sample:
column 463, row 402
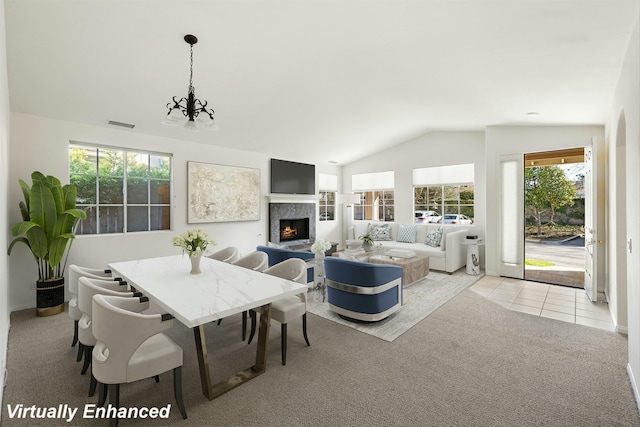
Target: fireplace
column 292, row 223
column 294, row 229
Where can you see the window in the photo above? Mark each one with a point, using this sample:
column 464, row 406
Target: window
column 122, row 191
column 433, row 202
column 376, row 196
column 328, row 185
column 374, row 206
column 327, row 205
column 444, row 194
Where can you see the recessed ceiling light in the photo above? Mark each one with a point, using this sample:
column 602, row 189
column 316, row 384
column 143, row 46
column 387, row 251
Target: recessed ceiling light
column 533, row 113
column 333, row 162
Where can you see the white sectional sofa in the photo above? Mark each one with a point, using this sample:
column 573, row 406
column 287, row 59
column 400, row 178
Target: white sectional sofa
column 449, row 256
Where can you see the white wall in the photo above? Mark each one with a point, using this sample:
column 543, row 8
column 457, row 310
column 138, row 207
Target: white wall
column 42, row 144
column 627, row 100
column 4, row 199
column 616, row 272
column 432, row 149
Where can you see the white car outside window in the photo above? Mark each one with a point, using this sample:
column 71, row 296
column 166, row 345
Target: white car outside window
column 427, row 216
column 456, row 219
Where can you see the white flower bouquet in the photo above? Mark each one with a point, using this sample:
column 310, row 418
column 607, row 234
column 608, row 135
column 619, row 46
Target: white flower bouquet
column 193, row 241
column 320, row 246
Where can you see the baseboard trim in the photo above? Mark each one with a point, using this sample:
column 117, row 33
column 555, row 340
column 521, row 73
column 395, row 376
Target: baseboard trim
column 634, row 386
column 622, row 329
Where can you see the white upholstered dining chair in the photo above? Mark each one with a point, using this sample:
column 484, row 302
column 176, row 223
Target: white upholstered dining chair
column 75, row 272
column 285, row 309
column 144, row 351
column 87, row 288
column 228, row 254
column 256, row 261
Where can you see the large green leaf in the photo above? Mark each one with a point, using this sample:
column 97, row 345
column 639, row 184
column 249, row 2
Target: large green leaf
column 70, row 195
column 22, row 227
column 38, row 176
column 26, row 192
column 58, row 196
column 56, row 251
column 43, row 208
column 18, row 240
column 38, row 242
column 67, row 220
column 24, row 211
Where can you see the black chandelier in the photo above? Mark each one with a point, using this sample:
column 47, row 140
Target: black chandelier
column 190, row 109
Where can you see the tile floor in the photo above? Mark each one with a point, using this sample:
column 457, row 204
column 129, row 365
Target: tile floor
column 540, row 299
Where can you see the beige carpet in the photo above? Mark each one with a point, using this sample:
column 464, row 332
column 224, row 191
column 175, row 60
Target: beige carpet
column 470, row 363
column 419, row 300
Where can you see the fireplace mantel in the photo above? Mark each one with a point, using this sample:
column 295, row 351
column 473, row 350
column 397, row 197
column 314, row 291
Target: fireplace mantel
column 292, row 198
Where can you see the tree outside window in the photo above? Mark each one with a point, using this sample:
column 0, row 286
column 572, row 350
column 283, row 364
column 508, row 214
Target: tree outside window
column 546, row 189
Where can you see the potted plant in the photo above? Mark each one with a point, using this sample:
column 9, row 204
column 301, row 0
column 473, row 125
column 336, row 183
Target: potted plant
column 367, row 242
column 49, row 220
column 195, row 242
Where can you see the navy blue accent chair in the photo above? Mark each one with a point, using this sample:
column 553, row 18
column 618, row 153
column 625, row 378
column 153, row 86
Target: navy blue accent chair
column 277, row 255
column 362, row 291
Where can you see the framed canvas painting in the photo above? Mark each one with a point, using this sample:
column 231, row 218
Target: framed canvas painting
column 221, row 193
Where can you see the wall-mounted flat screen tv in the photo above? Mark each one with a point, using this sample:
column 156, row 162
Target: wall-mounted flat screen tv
column 292, row 178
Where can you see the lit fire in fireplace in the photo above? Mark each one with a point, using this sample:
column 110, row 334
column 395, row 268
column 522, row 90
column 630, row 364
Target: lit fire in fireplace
column 288, row 232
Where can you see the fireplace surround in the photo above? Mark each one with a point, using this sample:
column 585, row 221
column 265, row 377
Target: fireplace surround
column 292, row 215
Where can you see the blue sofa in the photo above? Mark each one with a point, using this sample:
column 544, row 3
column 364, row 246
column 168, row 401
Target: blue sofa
column 362, row 291
column 277, row 255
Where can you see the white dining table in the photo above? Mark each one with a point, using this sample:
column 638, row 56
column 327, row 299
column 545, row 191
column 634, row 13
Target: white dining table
column 221, row 290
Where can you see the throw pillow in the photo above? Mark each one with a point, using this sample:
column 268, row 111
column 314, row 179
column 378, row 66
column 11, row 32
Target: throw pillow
column 407, row 233
column 434, row 237
column 275, row 245
column 380, row 231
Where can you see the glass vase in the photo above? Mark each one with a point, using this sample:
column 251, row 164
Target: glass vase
column 319, row 288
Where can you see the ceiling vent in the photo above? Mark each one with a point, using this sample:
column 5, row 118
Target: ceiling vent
column 121, row 124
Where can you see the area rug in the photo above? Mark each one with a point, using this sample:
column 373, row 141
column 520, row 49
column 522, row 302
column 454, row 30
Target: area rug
column 420, row 299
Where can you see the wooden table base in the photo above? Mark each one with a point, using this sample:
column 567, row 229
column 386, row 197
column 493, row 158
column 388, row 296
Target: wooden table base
column 216, row 390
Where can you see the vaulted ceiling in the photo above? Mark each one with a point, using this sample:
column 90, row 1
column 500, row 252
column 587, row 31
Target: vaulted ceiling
column 342, row 79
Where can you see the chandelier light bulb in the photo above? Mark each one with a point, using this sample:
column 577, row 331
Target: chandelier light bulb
column 190, row 126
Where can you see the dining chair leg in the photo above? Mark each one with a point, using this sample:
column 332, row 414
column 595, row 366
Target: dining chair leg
column 244, row 325
column 177, row 391
column 103, row 390
column 304, row 328
column 75, row 333
column 80, row 352
column 92, row 385
column 114, row 400
column 87, row 358
column 283, row 342
column 253, row 315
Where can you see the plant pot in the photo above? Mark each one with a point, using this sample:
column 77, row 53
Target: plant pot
column 49, row 297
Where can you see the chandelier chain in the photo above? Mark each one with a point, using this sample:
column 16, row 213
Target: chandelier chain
column 191, row 69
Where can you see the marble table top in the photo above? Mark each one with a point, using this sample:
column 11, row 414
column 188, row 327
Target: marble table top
column 221, row 290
